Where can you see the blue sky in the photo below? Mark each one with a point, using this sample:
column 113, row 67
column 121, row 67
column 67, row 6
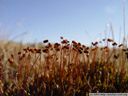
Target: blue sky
column 80, row 20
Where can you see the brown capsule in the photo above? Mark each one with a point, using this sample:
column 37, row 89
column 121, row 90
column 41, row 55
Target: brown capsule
column 120, row 45
column 47, row 46
column 101, row 48
column 35, row 49
column 79, row 44
column 94, row 49
column 83, row 46
column 124, row 49
column 32, row 50
column 51, row 49
column 74, row 49
column 19, row 53
column 50, row 45
column 92, row 43
column 64, row 41
column 56, row 45
column 96, row 43
column 45, row 50
column 79, row 51
column 110, row 40
column 12, row 55
column 20, row 58
column 61, row 37
column 57, row 49
column 25, row 50
column 38, row 50
column 116, row 56
column 126, row 54
column 86, row 48
column 45, row 41
column 28, row 48
column 49, row 57
column 74, row 42
column 67, row 41
column 87, row 55
column 24, row 55
column 10, row 61
column 114, row 43
column 104, row 39
column 85, row 51
column 65, row 47
column 105, row 48
column 75, row 46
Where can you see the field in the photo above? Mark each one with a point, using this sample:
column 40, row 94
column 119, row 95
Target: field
column 62, row 69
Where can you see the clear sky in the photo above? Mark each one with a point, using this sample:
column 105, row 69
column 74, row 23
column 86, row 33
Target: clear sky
column 80, row 20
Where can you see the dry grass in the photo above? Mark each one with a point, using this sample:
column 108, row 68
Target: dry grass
column 62, row 69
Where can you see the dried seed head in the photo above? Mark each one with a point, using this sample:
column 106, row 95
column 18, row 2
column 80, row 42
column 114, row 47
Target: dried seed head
column 45, row 41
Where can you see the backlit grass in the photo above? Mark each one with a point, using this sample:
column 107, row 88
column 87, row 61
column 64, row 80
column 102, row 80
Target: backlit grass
column 63, row 69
